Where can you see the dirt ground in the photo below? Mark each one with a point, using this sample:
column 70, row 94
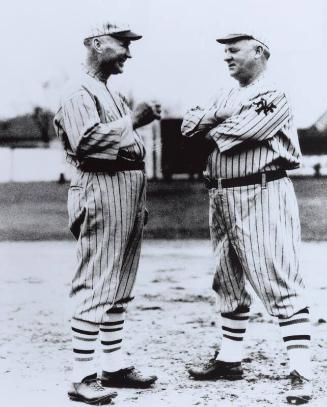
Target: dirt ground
column 171, row 325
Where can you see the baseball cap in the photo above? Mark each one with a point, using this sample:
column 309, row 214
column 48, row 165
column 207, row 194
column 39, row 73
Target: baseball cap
column 229, row 38
column 114, row 30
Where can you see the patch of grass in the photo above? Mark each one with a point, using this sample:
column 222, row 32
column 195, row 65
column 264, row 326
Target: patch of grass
column 312, row 198
column 33, row 211
column 179, row 209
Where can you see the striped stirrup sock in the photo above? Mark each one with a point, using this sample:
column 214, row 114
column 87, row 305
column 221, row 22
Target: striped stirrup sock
column 111, row 335
column 84, row 336
column 233, row 327
column 296, row 332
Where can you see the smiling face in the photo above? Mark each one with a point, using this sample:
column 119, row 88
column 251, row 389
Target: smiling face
column 113, row 54
column 242, row 59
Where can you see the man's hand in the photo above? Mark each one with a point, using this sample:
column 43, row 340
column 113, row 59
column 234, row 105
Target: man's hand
column 145, row 113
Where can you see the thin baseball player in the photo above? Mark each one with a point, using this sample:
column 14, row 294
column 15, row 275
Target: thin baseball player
column 106, row 208
column 253, row 213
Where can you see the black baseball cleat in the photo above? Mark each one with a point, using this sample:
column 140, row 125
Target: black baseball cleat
column 90, row 391
column 217, row 369
column 128, row 377
column 300, row 391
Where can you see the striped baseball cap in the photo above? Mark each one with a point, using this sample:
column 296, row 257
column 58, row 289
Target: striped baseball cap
column 230, row 38
column 114, row 30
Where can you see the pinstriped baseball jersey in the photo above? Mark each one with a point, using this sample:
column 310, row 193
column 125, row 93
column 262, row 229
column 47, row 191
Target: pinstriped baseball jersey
column 91, row 122
column 106, row 210
column 260, row 136
column 255, row 229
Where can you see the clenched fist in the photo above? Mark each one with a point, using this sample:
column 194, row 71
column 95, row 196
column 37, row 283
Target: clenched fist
column 145, row 113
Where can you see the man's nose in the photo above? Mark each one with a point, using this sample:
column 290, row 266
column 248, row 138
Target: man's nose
column 228, row 57
column 128, row 53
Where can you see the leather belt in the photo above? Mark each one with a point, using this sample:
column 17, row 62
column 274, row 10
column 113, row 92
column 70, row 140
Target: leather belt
column 120, row 164
column 259, row 178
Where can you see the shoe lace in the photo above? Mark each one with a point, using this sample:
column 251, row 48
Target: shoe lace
column 299, row 382
column 210, row 361
column 96, row 385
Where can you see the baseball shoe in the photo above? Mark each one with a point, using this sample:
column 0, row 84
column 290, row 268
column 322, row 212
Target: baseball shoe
column 217, row 369
column 90, row 391
column 128, row 377
column 300, row 391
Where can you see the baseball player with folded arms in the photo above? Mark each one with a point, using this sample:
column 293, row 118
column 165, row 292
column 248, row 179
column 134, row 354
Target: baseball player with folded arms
column 106, row 208
column 253, row 215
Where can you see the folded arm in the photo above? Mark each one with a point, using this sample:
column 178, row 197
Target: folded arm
column 256, row 122
column 198, row 121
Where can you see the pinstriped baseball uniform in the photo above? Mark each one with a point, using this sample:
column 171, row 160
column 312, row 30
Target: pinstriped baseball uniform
column 254, row 229
column 106, row 211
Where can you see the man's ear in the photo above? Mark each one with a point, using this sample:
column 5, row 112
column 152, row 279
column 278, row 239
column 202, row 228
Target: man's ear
column 258, row 52
column 97, row 45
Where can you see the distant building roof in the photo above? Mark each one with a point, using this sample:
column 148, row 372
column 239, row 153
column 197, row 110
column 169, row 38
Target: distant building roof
column 23, row 131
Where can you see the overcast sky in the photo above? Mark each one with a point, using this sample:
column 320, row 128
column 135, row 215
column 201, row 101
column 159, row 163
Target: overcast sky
column 178, row 61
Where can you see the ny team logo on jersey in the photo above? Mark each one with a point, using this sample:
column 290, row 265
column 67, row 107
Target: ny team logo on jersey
column 262, row 106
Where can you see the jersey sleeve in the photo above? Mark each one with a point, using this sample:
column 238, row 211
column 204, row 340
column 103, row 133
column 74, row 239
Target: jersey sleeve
column 88, row 137
column 198, row 120
column 260, row 119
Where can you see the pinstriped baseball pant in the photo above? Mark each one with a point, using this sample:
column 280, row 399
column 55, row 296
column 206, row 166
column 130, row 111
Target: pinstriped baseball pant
column 255, row 234
column 106, row 217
